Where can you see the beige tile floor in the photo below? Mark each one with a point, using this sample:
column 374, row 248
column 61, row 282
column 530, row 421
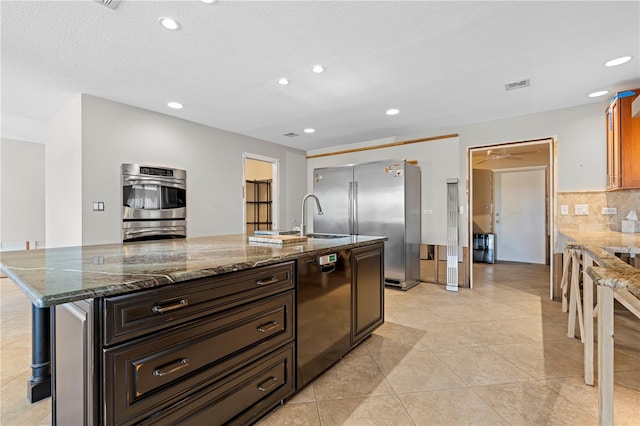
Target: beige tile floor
column 493, row 355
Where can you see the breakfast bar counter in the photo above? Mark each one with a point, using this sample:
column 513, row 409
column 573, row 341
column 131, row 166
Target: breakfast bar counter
column 616, row 280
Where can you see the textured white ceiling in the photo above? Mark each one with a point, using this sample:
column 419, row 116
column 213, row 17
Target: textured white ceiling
column 440, row 63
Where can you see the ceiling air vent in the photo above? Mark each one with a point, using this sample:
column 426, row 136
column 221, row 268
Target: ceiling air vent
column 111, row 4
column 291, row 135
column 517, row 84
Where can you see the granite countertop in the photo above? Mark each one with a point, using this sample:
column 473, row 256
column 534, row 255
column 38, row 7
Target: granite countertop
column 602, row 245
column 54, row 276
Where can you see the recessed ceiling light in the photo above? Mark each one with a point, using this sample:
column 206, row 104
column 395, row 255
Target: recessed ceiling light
column 598, row 93
column 283, row 81
column 617, row 61
column 317, row 69
column 393, row 111
column 208, row 1
column 169, row 23
column 175, row 105
column 309, row 130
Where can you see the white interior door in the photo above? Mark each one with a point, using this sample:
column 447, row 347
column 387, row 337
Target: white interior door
column 520, row 216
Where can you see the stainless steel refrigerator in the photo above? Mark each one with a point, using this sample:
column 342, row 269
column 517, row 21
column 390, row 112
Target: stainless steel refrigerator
column 380, row 198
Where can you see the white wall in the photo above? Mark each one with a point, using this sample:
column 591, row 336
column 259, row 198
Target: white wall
column 63, row 177
column 21, row 193
column 581, row 136
column 438, row 162
column 114, row 133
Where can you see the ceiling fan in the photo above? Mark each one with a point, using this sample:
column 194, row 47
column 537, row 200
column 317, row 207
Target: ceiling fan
column 503, row 154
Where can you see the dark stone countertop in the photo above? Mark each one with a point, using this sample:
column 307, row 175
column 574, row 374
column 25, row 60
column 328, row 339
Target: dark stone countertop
column 59, row 275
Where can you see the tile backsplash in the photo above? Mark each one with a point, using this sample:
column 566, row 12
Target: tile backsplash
column 623, row 201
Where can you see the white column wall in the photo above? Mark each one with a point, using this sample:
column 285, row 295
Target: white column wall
column 63, row 177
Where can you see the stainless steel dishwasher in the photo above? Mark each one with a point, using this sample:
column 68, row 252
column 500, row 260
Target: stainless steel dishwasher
column 324, row 313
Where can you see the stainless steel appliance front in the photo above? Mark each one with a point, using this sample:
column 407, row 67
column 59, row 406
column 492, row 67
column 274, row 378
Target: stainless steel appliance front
column 154, row 202
column 379, row 198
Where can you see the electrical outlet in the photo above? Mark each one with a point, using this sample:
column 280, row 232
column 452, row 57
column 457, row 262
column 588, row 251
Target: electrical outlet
column 609, row 210
column 428, row 211
column 564, row 209
column 581, row 209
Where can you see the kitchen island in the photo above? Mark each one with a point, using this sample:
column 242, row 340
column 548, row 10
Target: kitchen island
column 174, row 330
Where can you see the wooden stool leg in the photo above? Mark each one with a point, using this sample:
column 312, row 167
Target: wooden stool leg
column 587, row 289
column 605, row 355
column 564, row 283
column 575, row 300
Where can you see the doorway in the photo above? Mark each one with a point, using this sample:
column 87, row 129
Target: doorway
column 260, row 193
column 513, row 164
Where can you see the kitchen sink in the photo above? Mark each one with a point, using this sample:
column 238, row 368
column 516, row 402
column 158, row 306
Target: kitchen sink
column 327, row 236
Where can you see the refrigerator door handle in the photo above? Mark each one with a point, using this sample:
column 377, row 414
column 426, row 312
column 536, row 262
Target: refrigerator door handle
column 355, row 208
column 350, row 213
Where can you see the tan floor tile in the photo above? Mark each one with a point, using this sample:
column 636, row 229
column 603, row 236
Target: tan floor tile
column 479, row 365
column 352, row 377
column 392, row 337
column 446, row 335
column 493, row 333
column 307, row 394
column 304, row 414
column 626, row 401
column 374, row 410
column 449, row 407
column 16, row 409
column 543, row 360
column 416, row 371
column 532, row 403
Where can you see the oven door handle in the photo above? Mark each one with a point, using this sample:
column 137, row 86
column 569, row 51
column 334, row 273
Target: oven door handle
column 176, row 183
column 158, row 229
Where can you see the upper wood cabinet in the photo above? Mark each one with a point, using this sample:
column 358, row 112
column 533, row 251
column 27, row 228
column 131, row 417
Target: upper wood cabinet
column 623, row 143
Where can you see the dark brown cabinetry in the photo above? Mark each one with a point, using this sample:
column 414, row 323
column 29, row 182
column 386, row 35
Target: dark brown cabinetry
column 218, row 348
column 367, row 291
column 623, row 143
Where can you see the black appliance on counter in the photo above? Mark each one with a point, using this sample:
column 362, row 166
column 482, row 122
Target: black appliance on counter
column 154, row 202
column 323, row 313
column 484, row 248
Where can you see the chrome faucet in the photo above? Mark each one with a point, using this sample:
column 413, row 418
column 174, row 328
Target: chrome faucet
column 303, row 226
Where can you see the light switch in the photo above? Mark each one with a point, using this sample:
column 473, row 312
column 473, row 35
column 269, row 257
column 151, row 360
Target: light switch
column 100, row 206
column 428, row 211
column 564, row 209
column 95, row 206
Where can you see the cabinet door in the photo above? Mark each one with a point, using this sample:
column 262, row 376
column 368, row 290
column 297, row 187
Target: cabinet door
column 629, row 144
column 367, row 299
column 613, row 146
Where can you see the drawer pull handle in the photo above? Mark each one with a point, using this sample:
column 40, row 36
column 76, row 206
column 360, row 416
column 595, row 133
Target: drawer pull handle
column 172, row 367
column 162, row 309
column 271, row 280
column 268, row 384
column 268, row 326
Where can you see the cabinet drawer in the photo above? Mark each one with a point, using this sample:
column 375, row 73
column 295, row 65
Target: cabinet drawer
column 135, row 314
column 240, row 398
column 159, row 370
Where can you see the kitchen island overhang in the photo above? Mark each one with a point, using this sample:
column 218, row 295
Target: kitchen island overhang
column 55, row 276
column 68, row 276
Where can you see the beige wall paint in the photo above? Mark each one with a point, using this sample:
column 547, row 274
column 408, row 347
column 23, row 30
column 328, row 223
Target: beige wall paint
column 482, row 201
column 258, row 170
column 21, row 194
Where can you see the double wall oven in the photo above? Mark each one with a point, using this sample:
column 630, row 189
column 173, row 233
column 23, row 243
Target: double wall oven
column 154, row 202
